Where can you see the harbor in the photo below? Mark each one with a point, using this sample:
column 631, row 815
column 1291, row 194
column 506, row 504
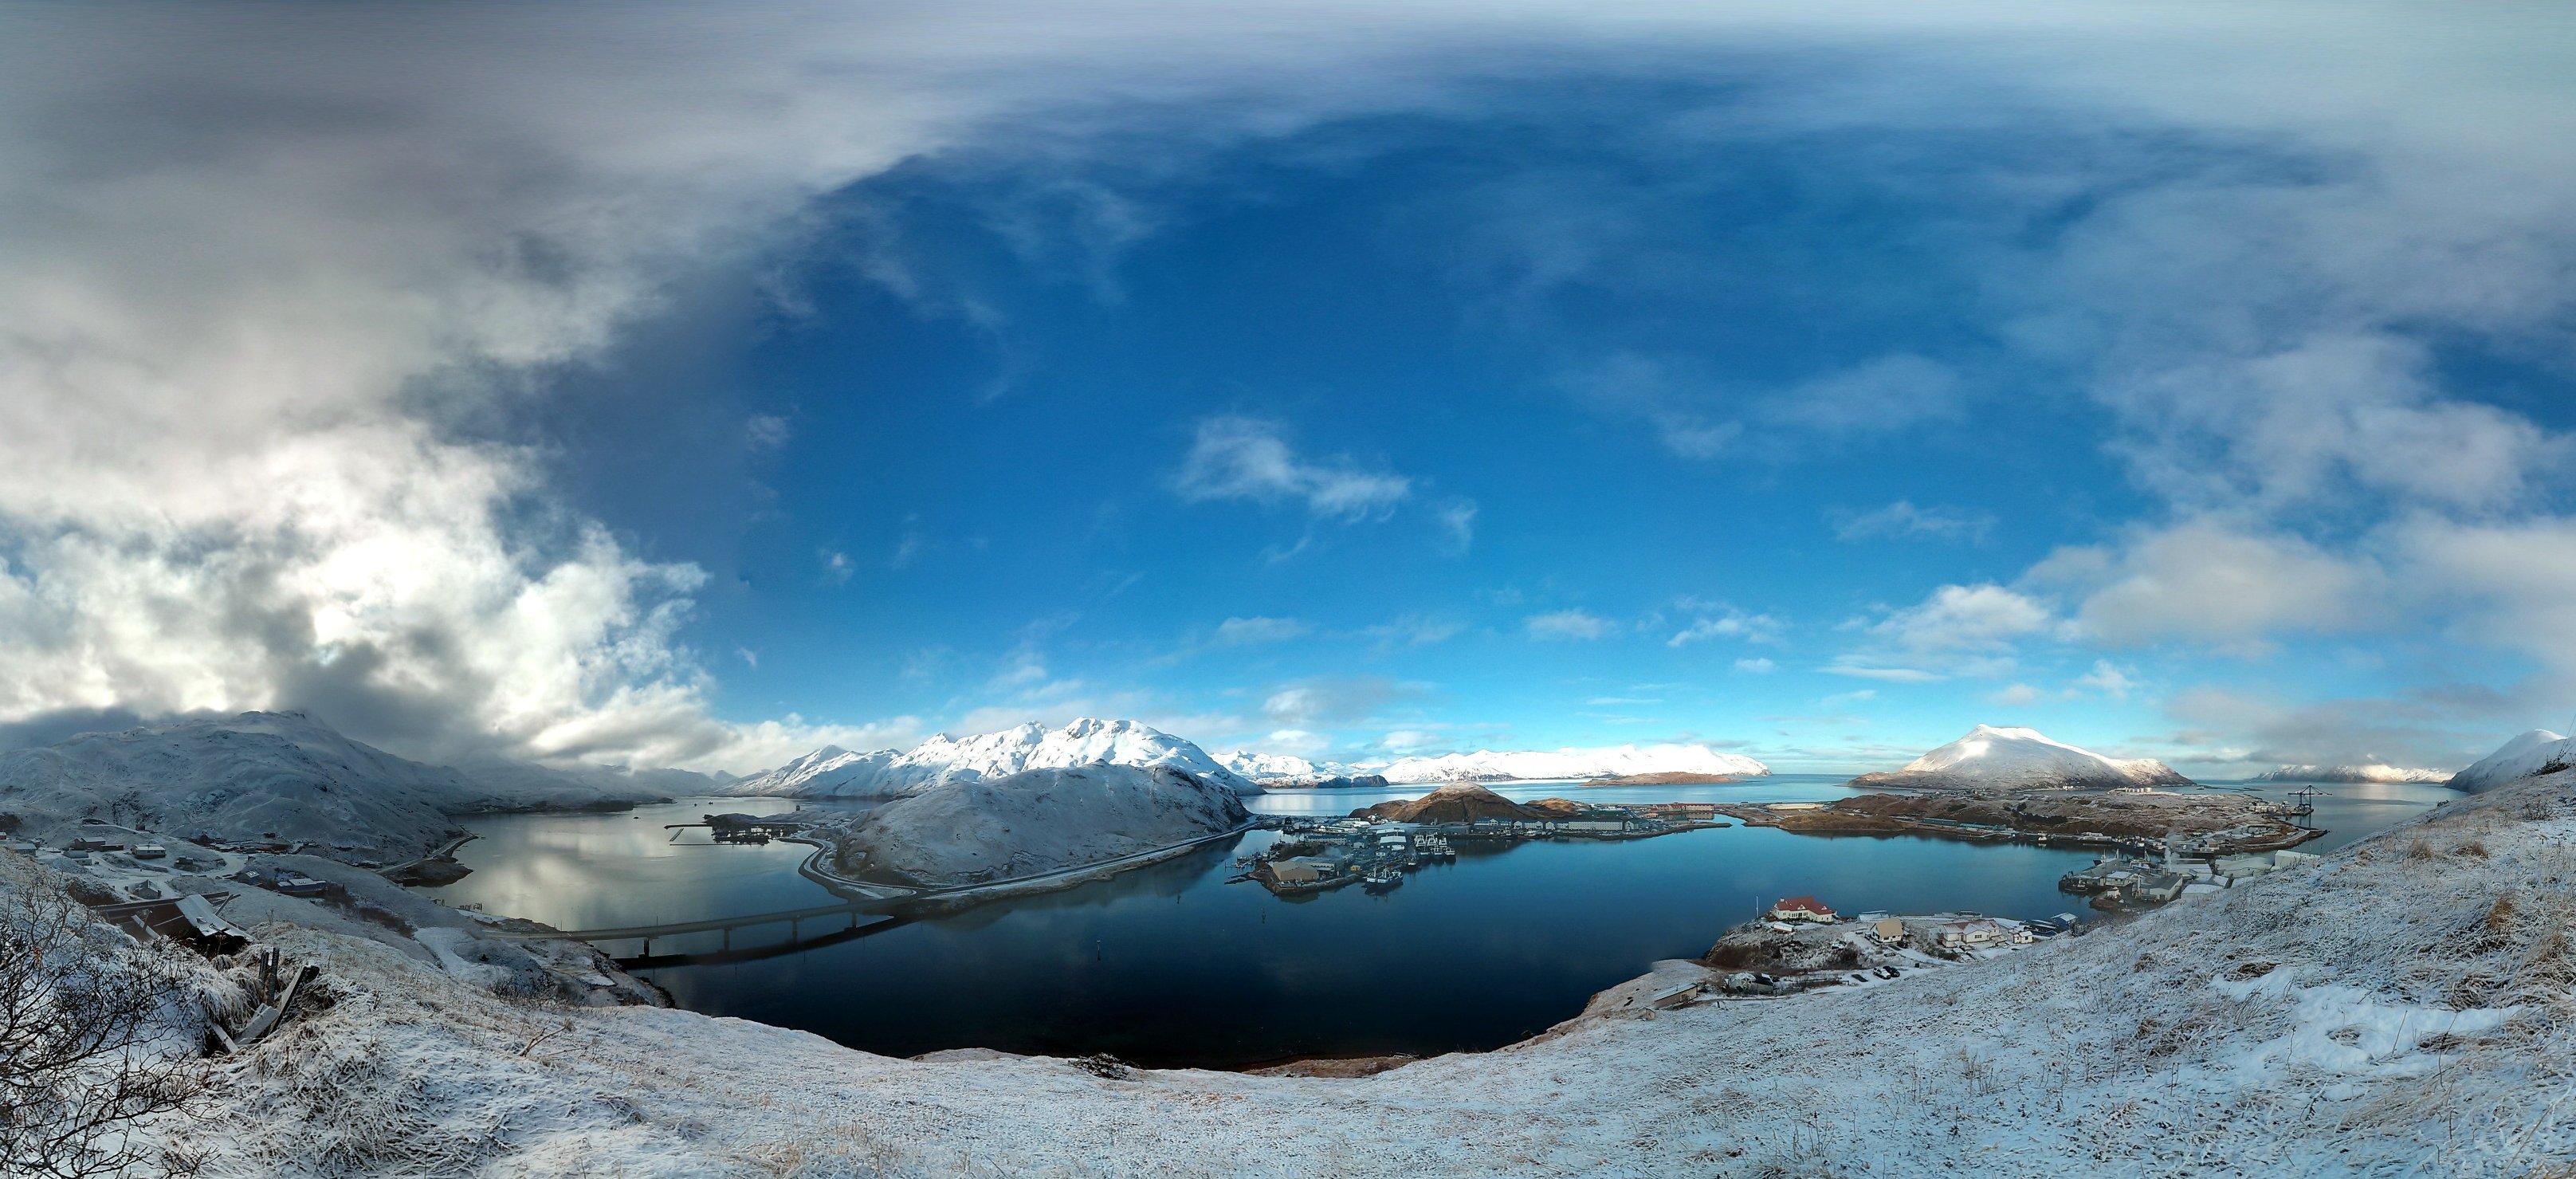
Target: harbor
column 1376, row 846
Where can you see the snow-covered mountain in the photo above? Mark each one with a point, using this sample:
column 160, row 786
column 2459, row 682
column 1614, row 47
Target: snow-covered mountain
column 242, row 777
column 1260, row 766
column 2528, row 754
column 971, row 829
column 1991, row 758
column 2363, row 773
column 831, row 772
column 1544, row 765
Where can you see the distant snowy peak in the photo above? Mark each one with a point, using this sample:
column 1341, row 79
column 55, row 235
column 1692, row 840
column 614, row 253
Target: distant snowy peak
column 1260, row 766
column 1998, row 758
column 2531, row 753
column 2373, row 772
column 1536, row 765
column 886, row 773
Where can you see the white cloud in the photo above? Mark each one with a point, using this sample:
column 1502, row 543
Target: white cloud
column 2511, row 585
column 1965, row 619
column 2108, row 679
column 2016, row 695
column 1902, row 519
column 1457, row 518
column 1257, row 630
column 1892, row 675
column 1755, row 666
column 2202, row 580
column 1405, row 742
column 766, row 432
column 1296, row 741
column 1310, row 703
column 1567, row 624
column 1882, row 396
column 1248, row 458
column 1752, row 628
column 1414, row 630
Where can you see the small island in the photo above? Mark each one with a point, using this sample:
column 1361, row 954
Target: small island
column 1040, row 827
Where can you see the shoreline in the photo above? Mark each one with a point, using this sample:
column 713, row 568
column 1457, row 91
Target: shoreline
column 1051, row 880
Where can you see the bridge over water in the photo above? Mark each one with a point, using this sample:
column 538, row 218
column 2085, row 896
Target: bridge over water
column 806, row 928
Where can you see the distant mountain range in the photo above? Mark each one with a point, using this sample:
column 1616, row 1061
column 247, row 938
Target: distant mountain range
column 833, row 772
column 2360, row 773
column 1993, row 758
column 245, row 777
column 1543, row 765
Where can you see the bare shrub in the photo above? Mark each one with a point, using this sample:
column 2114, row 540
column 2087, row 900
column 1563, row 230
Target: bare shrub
column 2420, row 850
column 91, row 1030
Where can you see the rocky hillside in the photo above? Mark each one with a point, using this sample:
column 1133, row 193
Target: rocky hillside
column 1464, row 802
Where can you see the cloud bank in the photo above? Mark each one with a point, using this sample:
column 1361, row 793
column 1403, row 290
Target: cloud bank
column 267, row 267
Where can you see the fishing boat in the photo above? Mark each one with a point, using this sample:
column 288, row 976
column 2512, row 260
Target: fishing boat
column 1382, row 880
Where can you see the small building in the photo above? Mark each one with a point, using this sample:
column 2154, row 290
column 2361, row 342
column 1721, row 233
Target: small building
column 150, row 851
column 1888, row 929
column 1801, row 909
column 1978, row 934
column 1302, row 870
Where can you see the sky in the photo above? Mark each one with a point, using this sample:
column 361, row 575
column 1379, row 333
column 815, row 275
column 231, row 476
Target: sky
column 652, row 385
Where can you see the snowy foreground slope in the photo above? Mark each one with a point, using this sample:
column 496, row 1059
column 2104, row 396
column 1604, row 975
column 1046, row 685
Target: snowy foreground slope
column 242, row 777
column 1541, row 765
column 1991, row 758
column 833, row 772
column 2363, row 773
column 2520, row 758
column 969, row 831
column 2402, row 1008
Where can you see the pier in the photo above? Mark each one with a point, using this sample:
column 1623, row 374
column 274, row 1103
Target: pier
column 731, row 828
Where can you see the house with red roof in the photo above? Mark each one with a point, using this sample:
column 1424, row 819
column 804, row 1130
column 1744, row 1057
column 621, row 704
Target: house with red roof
column 1801, row 909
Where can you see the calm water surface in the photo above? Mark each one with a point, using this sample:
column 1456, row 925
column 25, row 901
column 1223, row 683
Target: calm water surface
column 1169, row 965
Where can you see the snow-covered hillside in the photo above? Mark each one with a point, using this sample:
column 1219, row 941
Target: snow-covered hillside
column 2362, row 773
column 886, row 773
column 1261, row 767
column 1991, row 758
column 2399, row 1008
column 2531, row 753
column 244, row 777
column 970, row 830
column 1546, row 765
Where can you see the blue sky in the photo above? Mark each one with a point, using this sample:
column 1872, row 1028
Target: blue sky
column 2185, row 381
column 1582, row 414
